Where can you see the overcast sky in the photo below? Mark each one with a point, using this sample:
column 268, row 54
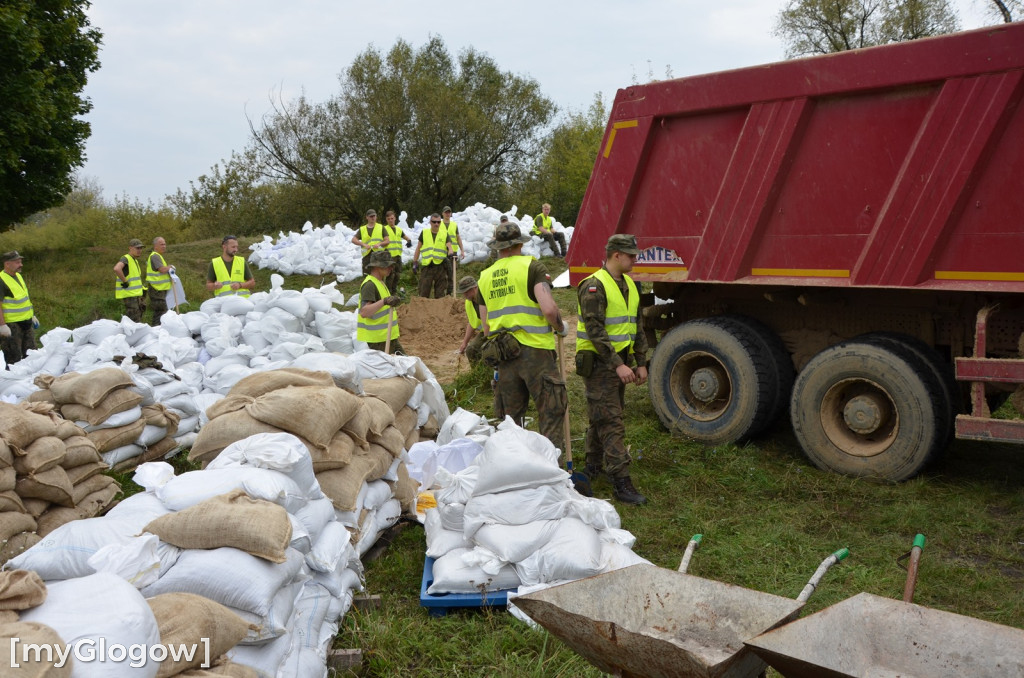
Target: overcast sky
column 178, row 78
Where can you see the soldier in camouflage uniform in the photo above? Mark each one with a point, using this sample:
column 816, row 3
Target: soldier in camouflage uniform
column 609, row 336
column 520, row 317
column 473, row 341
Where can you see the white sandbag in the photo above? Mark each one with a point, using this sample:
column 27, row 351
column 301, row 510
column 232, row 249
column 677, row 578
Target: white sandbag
column 452, row 575
column 239, row 355
column 236, row 305
column 182, row 403
column 115, row 420
column 292, row 301
column 341, row 368
column 226, row 378
column 456, row 487
column 194, row 320
column 264, row 658
column 573, row 551
column 377, row 492
column 458, row 424
column 175, row 325
column 137, row 561
column 275, row 622
column 452, row 516
column 288, row 321
column 164, row 392
column 151, row 434
column 509, row 462
column 153, row 475
column 123, row 453
column 616, row 556
column 341, row 581
column 422, row 464
column 153, row 376
column 228, row 576
column 517, row 507
column 194, row 487
column 100, row 610
column 138, row 510
column 439, row 540
column 458, row 454
column 379, row 365
column 310, row 614
column 187, row 425
column 281, row 452
column 315, row 515
column 328, row 548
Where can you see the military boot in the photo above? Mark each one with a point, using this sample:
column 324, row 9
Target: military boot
column 593, row 472
column 626, row 493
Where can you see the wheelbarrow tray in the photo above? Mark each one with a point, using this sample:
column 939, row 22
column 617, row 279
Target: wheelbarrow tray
column 868, row 635
column 647, row 621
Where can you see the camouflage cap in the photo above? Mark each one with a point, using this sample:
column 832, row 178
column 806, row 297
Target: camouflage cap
column 10, row 256
column 381, row 260
column 466, row 284
column 446, row 208
column 622, row 242
column 135, row 242
column 371, row 213
column 507, row 235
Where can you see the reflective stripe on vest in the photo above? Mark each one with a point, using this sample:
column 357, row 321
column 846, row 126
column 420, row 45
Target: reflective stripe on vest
column 433, row 250
column 375, row 328
column 472, row 315
column 619, row 316
column 371, row 238
column 453, row 234
column 503, row 288
column 395, row 240
column 134, row 276
column 237, row 274
column 545, row 221
column 17, row 307
column 154, row 278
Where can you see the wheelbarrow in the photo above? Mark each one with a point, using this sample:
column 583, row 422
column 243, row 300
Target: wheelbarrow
column 869, row 635
column 647, row 621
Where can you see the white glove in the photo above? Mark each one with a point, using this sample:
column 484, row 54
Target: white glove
column 35, row 323
column 5, row 331
column 171, row 270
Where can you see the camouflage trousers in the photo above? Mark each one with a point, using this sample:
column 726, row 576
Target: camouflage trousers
column 533, row 374
column 396, row 348
column 22, row 339
column 158, row 304
column 434, row 280
column 391, row 281
column 556, row 241
column 606, row 445
column 134, row 307
column 473, row 348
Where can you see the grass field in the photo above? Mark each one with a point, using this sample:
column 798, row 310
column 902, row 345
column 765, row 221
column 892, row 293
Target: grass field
column 767, row 515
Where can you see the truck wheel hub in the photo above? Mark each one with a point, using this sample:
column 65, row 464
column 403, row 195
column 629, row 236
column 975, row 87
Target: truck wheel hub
column 706, row 383
column 863, row 414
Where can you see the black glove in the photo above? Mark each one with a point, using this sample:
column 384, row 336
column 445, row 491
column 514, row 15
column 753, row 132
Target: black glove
column 124, row 284
column 393, row 300
column 415, row 267
column 408, row 243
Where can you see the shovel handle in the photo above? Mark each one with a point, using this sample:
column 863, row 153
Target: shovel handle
column 565, row 417
column 912, row 565
column 688, row 553
column 836, row 557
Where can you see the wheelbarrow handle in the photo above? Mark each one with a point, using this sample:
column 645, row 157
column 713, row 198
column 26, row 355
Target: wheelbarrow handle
column 913, row 558
column 690, row 548
column 836, row 557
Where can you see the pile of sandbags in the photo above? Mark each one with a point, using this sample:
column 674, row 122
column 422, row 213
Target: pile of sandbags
column 50, row 474
column 512, row 518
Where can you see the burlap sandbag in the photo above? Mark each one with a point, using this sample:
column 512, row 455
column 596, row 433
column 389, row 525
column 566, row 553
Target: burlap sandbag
column 405, row 490
column 185, row 618
column 226, row 429
column 222, row 668
column 6, row 454
column 35, row 507
column 20, row 426
column 10, row 501
column 391, row 440
column 358, row 427
column 42, row 455
column 13, row 522
column 31, row 633
column 380, row 414
column 21, row 589
column 95, row 483
column 235, row 519
column 107, row 439
column 52, row 485
column 337, row 455
column 18, row 544
column 83, row 472
column 118, row 400
column 430, row 429
column 8, row 616
column 314, row 412
column 228, row 404
column 88, row 389
column 79, row 450
column 259, row 383
column 159, row 415
column 155, row 452
column 412, row 439
column 54, row 517
column 43, row 395
column 405, row 420
column 69, row 429
column 342, row 485
column 8, row 479
column 97, row 502
column 395, row 391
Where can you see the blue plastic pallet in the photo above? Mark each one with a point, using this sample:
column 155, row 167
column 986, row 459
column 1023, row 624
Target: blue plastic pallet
column 438, row 606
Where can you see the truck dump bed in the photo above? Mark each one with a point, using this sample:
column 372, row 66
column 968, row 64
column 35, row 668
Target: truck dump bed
column 896, row 166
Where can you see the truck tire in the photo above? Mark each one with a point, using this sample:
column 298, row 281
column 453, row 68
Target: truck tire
column 941, row 370
column 868, row 410
column 779, row 361
column 711, row 381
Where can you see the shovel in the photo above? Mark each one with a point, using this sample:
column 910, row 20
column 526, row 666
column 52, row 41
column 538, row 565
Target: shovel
column 579, row 480
column 391, row 321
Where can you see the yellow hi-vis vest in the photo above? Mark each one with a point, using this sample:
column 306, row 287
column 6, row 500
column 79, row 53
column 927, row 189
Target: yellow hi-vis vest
column 375, row 328
column 472, row 315
column 433, row 250
column 134, row 276
column 453, row 234
column 545, row 221
column 17, row 307
column 154, row 278
column 237, row 274
column 394, row 240
column 619, row 317
column 371, row 238
column 503, row 288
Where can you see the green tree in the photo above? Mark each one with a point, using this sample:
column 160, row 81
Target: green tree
column 410, row 129
column 1007, row 10
column 824, row 26
column 47, row 48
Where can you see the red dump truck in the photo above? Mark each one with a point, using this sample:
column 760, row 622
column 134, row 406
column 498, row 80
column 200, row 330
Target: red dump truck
column 840, row 236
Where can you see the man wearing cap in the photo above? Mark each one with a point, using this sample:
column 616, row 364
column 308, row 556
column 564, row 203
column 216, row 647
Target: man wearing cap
column 158, row 278
column 377, row 317
column 370, row 236
column 520, row 317
column 17, row 322
column 474, row 339
column 394, row 236
column 128, row 285
column 229, row 273
column 435, row 248
column 544, row 226
column 609, row 337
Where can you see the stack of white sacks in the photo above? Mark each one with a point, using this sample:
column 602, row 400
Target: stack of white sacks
column 329, row 249
column 511, row 519
column 252, row 532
